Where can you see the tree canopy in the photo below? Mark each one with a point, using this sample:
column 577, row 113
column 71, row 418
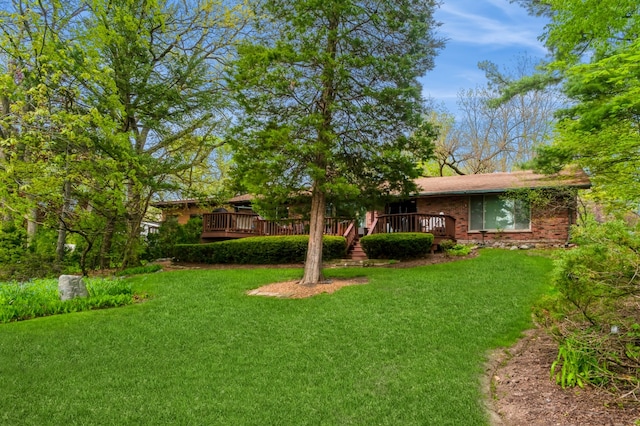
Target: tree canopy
column 106, row 104
column 595, row 51
column 332, row 106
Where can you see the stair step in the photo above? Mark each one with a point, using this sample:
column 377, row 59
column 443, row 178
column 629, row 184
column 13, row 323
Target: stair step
column 356, row 252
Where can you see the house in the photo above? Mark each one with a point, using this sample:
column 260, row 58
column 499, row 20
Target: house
column 468, row 209
column 482, row 212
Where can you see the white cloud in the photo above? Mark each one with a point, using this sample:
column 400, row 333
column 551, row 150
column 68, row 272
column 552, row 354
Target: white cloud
column 490, row 23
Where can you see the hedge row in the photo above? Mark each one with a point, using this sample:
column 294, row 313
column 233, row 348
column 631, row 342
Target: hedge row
column 408, row 245
column 258, row 250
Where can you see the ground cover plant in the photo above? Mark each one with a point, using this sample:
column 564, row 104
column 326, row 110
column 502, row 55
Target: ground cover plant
column 37, row 298
column 406, row 348
column 593, row 312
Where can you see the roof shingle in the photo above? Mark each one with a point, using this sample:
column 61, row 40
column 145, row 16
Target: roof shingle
column 499, row 182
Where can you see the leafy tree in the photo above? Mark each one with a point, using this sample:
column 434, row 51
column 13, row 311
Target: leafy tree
column 104, row 104
column 163, row 88
column 595, row 51
column 330, row 95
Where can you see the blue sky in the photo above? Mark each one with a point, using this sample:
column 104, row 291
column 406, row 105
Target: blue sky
column 479, row 30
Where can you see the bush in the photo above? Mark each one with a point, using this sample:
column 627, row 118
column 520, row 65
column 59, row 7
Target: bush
column 454, row 249
column 162, row 243
column 21, row 263
column 397, row 246
column 258, row 250
column 594, row 314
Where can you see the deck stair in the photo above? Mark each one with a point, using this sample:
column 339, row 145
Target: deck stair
column 356, row 252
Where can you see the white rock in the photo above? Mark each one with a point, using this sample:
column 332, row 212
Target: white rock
column 71, row 286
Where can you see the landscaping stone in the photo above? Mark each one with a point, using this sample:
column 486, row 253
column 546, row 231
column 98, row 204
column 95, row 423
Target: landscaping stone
column 71, row 286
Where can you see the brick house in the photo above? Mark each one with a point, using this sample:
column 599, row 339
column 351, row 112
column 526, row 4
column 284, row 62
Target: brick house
column 481, row 212
column 468, row 209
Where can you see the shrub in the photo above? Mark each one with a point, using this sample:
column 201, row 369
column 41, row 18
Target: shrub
column 397, row 246
column 162, row 243
column 258, row 250
column 447, row 244
column 458, row 250
column 594, row 314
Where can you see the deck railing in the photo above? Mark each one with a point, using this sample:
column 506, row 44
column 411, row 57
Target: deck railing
column 442, row 226
column 251, row 224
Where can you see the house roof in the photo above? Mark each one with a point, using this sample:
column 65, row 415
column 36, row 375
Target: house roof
column 240, row 199
column 460, row 185
column 175, row 203
column 499, row 182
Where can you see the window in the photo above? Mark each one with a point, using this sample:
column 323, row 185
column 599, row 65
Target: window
column 493, row 212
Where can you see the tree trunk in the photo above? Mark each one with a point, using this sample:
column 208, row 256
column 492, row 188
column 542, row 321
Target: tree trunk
column 313, row 264
column 62, row 226
column 136, row 209
column 32, row 224
column 107, row 238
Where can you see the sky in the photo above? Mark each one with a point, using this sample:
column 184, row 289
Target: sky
column 478, row 30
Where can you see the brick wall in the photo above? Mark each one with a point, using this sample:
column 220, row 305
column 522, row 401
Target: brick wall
column 548, row 226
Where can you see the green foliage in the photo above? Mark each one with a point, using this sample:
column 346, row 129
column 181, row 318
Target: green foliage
column 105, row 104
column 577, row 364
column 161, row 243
column 397, row 246
column 259, row 250
column 594, row 313
column 452, row 248
column 21, row 263
column 458, row 250
column 13, row 243
column 37, row 298
column 596, row 51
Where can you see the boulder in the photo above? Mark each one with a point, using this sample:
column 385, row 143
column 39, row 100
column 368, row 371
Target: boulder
column 71, row 286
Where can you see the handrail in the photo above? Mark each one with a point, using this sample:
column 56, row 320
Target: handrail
column 439, row 225
column 252, row 224
column 240, row 224
column 350, row 234
column 374, row 226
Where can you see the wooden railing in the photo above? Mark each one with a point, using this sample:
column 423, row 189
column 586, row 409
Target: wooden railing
column 350, row 234
column 251, row 224
column 441, row 226
column 230, row 222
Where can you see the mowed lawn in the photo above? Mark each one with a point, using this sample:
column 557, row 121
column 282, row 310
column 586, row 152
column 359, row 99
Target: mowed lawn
column 406, row 349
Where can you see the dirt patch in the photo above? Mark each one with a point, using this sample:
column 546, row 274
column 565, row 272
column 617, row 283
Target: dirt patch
column 293, row 290
column 521, row 391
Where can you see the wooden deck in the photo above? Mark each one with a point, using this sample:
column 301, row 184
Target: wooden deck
column 226, row 225
column 241, row 225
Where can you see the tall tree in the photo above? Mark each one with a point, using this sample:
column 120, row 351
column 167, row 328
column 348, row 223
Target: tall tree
column 595, row 51
column 330, row 95
column 163, row 64
column 106, row 103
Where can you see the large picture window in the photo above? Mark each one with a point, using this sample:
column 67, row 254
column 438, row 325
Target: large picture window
column 493, row 212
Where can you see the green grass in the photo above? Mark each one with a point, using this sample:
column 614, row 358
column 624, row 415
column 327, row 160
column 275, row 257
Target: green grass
column 407, row 348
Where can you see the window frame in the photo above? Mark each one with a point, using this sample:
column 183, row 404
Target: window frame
column 484, row 211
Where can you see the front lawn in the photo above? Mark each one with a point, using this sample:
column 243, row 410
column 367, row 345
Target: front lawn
column 407, row 348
